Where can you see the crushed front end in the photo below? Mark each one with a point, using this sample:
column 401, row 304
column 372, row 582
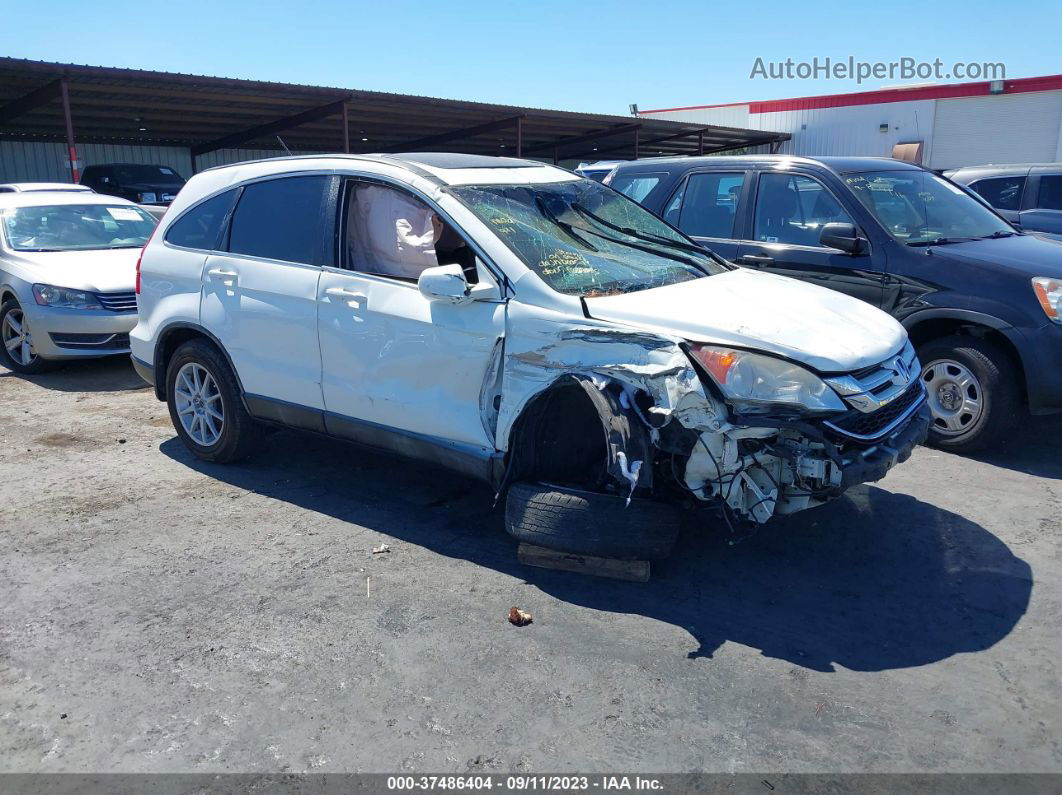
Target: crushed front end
column 773, row 461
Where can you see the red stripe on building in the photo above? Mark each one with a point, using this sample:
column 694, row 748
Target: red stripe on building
column 1022, row 85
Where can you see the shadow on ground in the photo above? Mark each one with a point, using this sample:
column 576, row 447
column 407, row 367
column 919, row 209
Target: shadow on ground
column 111, row 374
column 1031, row 448
column 874, row 581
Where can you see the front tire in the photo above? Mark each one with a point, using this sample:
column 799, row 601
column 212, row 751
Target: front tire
column 16, row 342
column 588, row 523
column 205, row 405
column 973, row 393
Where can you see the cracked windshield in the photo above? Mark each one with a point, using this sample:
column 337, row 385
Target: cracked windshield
column 585, row 239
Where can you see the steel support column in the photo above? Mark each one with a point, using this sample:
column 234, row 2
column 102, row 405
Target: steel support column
column 346, row 130
column 64, row 94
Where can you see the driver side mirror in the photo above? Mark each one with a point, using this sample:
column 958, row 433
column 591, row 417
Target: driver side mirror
column 445, row 283
column 843, row 236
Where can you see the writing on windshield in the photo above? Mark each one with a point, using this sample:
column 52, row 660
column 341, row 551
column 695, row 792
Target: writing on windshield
column 76, row 227
column 919, row 208
column 585, row 239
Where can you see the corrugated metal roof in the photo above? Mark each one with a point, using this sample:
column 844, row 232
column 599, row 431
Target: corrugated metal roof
column 135, row 106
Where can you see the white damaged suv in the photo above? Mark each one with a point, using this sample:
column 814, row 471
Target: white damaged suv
column 523, row 325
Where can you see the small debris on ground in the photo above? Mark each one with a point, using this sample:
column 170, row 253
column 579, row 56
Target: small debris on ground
column 381, row 549
column 518, row 617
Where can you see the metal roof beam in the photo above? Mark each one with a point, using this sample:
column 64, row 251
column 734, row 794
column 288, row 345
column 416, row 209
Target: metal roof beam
column 34, row 99
column 271, row 128
column 465, row 132
column 591, row 136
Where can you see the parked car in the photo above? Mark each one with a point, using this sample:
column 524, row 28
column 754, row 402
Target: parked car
column 598, row 170
column 981, row 301
column 23, row 187
column 67, row 271
column 1028, row 195
column 143, row 184
column 515, row 322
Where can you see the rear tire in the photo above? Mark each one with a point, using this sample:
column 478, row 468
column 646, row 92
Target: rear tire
column 588, row 523
column 14, row 332
column 205, row 404
column 973, row 392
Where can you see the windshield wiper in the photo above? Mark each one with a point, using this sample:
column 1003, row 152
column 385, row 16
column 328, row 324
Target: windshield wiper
column 647, row 249
column 568, row 228
column 647, row 236
column 35, row 250
column 999, row 234
column 942, row 241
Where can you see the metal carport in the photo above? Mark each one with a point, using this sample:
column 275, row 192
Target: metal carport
column 73, row 105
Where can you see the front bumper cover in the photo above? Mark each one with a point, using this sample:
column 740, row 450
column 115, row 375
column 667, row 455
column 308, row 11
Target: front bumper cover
column 865, row 465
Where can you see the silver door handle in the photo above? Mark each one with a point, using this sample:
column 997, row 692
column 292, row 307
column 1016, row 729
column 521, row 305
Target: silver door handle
column 223, row 275
column 350, row 296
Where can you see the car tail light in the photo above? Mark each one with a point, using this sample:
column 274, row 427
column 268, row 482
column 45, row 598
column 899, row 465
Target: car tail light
column 141, row 257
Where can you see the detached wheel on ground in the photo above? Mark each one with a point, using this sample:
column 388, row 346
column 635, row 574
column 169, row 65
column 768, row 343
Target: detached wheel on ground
column 973, row 392
column 587, row 523
column 205, row 404
column 16, row 342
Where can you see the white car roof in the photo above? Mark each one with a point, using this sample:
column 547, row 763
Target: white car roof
column 444, row 168
column 42, row 198
column 21, row 187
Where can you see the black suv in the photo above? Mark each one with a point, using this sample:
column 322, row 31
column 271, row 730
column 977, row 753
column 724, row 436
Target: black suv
column 981, row 301
column 134, row 181
column 1028, row 195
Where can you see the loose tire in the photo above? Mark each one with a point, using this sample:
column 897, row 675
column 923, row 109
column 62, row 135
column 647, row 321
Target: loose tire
column 586, row 523
column 205, row 404
column 16, row 342
column 973, row 392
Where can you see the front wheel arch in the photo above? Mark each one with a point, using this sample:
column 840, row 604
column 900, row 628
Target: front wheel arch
column 991, row 330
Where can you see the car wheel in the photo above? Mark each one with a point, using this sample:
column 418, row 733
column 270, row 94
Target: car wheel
column 205, row 404
column 587, row 523
column 973, row 392
column 16, row 342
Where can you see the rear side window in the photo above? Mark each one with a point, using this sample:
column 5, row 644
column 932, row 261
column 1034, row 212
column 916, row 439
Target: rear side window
column 1050, row 192
column 201, row 226
column 1003, row 193
column 636, row 186
column 709, row 204
column 280, row 219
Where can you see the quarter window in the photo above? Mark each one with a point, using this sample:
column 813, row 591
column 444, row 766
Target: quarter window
column 1050, row 192
column 280, row 219
column 1003, row 193
column 709, row 205
column 200, row 227
column 636, row 186
column 792, row 209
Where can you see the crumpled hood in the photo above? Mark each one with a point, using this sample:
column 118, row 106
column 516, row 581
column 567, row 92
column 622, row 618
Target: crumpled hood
column 103, row 271
column 825, row 330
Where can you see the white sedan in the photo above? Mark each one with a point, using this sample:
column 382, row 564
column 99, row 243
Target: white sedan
column 67, row 276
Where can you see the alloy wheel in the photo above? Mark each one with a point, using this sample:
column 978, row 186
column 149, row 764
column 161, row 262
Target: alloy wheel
column 199, row 406
column 17, row 339
column 955, row 396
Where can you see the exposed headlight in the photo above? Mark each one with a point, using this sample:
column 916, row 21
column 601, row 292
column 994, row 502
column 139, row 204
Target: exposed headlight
column 756, row 382
column 146, row 197
column 1049, row 294
column 47, row 295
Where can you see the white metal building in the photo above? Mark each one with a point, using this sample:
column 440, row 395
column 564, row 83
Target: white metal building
column 960, row 124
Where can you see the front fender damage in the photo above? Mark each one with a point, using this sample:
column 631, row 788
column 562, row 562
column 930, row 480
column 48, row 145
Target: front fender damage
column 666, row 435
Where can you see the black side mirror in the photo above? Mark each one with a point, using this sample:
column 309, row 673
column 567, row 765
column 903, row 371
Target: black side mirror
column 844, row 237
